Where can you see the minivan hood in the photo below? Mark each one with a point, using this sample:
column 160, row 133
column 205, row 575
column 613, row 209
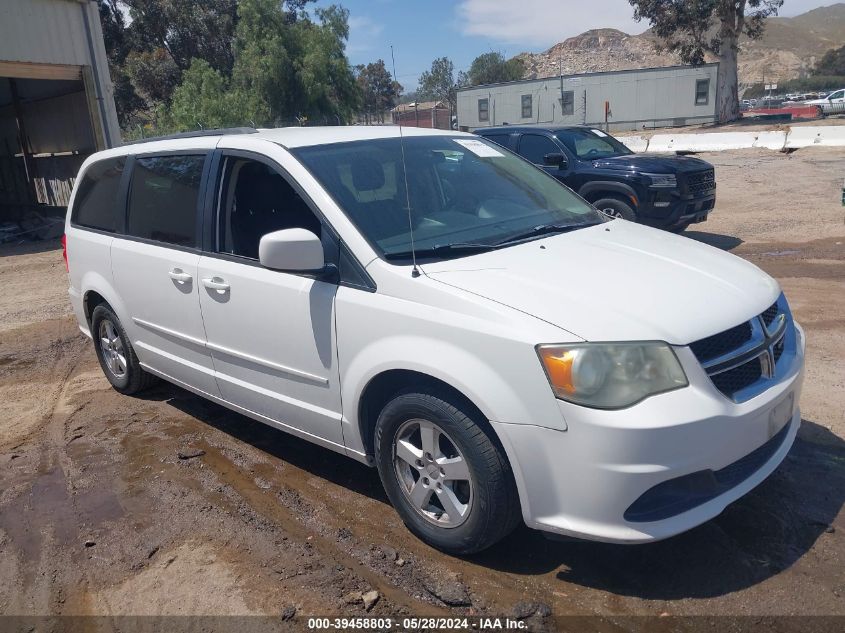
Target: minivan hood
column 653, row 163
column 618, row 281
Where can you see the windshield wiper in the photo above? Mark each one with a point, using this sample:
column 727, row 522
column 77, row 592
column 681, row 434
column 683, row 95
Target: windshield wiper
column 544, row 229
column 442, row 249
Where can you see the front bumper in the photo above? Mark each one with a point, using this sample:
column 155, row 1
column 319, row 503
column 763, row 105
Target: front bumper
column 682, row 210
column 580, row 482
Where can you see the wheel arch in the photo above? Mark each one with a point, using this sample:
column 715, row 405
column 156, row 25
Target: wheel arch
column 593, row 191
column 384, row 386
column 96, row 290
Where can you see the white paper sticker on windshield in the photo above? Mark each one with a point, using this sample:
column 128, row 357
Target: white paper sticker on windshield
column 483, row 150
column 599, row 133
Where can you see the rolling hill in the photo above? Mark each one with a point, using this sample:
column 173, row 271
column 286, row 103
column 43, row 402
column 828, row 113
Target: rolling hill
column 788, row 49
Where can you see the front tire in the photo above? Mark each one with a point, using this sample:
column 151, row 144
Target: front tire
column 116, row 354
column 443, row 472
column 616, row 208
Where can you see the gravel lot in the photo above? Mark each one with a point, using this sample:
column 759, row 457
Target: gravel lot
column 168, row 504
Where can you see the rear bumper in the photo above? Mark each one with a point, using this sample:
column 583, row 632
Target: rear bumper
column 79, row 310
column 584, row 481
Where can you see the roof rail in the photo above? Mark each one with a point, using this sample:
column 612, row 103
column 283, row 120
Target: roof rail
column 218, row 132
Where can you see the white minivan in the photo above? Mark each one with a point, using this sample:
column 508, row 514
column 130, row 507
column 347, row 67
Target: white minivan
column 436, row 306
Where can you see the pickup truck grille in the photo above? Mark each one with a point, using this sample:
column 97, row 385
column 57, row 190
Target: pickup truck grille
column 701, row 181
column 748, row 358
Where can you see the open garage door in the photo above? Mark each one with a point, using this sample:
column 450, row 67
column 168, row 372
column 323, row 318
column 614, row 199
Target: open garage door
column 49, row 123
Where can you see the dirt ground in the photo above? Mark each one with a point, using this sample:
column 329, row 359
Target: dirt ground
column 168, row 504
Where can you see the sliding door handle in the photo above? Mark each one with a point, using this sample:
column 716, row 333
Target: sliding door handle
column 215, row 283
column 179, row 276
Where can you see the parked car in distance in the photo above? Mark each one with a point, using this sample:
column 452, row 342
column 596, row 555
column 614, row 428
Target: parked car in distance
column 435, row 306
column 834, row 103
column 661, row 190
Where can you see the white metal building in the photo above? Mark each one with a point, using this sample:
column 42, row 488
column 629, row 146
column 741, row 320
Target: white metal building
column 56, row 100
column 634, row 99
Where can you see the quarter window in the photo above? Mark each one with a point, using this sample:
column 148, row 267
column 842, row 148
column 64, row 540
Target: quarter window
column 256, row 200
column 96, row 197
column 702, row 91
column 527, row 109
column 534, row 147
column 483, row 109
column 163, row 199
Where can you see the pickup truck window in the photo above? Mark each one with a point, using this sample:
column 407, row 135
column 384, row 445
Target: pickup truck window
column 534, row 147
column 462, row 191
column 588, row 145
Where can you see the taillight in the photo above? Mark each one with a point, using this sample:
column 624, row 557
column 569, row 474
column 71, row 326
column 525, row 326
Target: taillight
column 64, row 252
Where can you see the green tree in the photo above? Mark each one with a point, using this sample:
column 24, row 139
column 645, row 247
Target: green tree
column 298, row 68
column 378, row 90
column 491, row 68
column 831, row 63
column 438, row 84
column 118, row 47
column 286, row 68
column 205, row 99
column 693, row 28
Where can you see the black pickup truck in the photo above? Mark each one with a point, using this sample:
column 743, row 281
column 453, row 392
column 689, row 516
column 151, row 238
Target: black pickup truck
column 665, row 191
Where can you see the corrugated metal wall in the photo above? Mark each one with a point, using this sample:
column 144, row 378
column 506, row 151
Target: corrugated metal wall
column 660, row 97
column 55, row 32
column 54, row 49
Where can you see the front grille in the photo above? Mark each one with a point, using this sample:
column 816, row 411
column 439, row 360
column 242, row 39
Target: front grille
column 721, row 343
column 770, row 314
column 733, row 380
column 701, row 181
column 779, row 347
column 744, row 360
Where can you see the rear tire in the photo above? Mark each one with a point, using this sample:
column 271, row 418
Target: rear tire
column 448, row 479
column 116, row 354
column 616, row 208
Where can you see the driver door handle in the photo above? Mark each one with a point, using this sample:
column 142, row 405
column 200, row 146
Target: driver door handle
column 215, row 283
column 179, row 276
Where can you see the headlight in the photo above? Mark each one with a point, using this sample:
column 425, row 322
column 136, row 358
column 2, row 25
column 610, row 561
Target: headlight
column 611, row 375
column 663, row 180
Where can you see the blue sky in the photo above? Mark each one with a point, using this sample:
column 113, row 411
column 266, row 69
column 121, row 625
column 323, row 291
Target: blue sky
column 463, row 29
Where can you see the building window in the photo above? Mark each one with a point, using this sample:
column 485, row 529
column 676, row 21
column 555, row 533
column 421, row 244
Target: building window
column 483, row 109
column 527, row 109
column 702, row 91
column 567, row 102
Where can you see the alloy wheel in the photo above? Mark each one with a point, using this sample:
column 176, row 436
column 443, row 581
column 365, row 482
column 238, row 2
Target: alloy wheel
column 433, row 473
column 111, row 347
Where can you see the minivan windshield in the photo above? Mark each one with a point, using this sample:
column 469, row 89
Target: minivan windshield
column 589, row 144
column 466, row 195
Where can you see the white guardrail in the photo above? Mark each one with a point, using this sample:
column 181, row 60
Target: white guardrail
column 780, row 140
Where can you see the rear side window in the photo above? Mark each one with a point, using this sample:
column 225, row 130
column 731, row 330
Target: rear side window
column 163, row 199
column 95, row 203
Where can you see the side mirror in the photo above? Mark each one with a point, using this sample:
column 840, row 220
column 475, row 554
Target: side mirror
column 554, row 160
column 293, row 250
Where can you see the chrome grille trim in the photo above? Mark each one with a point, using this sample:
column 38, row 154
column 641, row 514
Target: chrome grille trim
column 766, row 354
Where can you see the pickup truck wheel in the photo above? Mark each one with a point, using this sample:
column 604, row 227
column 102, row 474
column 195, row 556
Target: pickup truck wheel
column 616, row 208
column 450, row 483
column 115, row 353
